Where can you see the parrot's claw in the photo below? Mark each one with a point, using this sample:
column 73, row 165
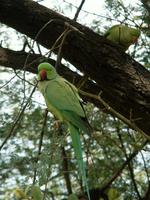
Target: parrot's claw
column 56, row 124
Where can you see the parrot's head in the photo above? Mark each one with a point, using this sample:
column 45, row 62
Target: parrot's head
column 46, row 72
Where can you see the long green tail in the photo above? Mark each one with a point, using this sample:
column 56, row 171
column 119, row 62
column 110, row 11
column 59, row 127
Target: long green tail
column 76, row 142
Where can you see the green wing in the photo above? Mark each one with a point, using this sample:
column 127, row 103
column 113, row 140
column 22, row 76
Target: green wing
column 110, row 30
column 122, row 35
column 63, row 100
column 62, row 96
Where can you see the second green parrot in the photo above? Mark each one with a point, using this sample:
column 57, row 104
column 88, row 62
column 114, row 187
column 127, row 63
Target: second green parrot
column 63, row 101
column 122, row 35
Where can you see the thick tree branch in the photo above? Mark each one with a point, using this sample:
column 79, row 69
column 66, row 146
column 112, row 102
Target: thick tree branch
column 124, row 82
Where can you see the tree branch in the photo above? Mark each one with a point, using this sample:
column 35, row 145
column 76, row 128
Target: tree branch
column 66, row 171
column 40, row 145
column 17, row 120
column 131, row 170
column 78, row 10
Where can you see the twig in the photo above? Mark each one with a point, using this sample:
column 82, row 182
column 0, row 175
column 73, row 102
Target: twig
column 22, row 78
column 65, row 33
column 40, row 144
column 82, row 81
column 146, row 169
column 31, row 49
column 68, row 30
column 39, row 49
column 8, row 82
column 37, row 35
column 24, row 72
column 65, row 161
column 118, row 115
column 78, row 10
column 28, row 45
column 56, row 42
column 65, row 170
column 59, row 55
column 129, row 163
column 97, row 15
column 18, row 119
column 109, row 182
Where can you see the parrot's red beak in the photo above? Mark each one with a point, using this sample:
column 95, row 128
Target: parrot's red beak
column 43, row 75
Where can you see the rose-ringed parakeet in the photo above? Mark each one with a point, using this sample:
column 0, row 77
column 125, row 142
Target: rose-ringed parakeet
column 122, row 35
column 63, row 101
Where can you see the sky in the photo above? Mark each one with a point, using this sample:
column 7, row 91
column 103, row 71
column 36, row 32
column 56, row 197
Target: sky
column 92, row 6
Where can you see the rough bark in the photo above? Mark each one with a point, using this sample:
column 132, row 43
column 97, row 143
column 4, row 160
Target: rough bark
column 125, row 84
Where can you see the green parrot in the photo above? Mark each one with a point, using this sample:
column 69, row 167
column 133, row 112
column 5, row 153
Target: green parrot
column 122, row 35
column 63, row 101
